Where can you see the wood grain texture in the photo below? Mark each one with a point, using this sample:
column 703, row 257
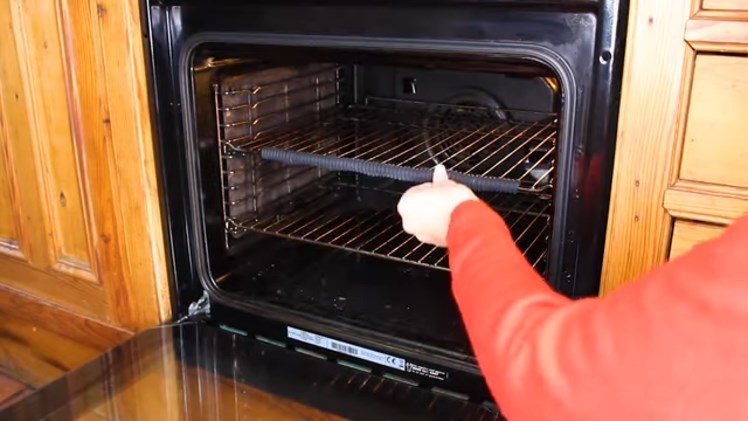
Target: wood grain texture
column 9, row 217
column 85, row 298
column 718, row 34
column 687, row 234
column 134, row 163
column 55, row 318
column 55, row 151
column 706, row 202
column 81, row 177
column 656, row 63
column 716, row 144
column 35, row 267
column 725, row 4
column 12, row 389
column 36, row 355
column 16, row 138
column 720, row 15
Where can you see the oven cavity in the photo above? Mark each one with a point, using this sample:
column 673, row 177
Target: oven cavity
column 320, row 152
column 303, row 156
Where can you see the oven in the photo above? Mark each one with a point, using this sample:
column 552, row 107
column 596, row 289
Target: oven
column 286, row 132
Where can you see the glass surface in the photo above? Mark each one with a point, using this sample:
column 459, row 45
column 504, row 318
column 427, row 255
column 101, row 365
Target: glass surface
column 198, row 372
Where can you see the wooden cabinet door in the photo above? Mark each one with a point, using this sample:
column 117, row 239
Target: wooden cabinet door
column 79, row 217
column 682, row 147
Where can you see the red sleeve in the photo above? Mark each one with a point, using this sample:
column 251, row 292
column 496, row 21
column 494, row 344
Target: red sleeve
column 669, row 346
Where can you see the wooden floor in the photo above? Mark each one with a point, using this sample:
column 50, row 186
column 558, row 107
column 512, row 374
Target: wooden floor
column 12, row 389
column 32, row 356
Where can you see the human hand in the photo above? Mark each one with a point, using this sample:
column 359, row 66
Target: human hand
column 426, row 209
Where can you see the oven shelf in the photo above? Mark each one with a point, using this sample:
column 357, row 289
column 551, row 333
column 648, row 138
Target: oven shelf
column 329, row 216
column 469, row 140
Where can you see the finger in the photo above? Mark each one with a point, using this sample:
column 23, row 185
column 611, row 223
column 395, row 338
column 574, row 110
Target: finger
column 440, row 174
column 426, row 239
column 408, row 226
column 403, row 206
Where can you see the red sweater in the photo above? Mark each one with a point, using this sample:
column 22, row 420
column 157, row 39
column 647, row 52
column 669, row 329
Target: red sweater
column 671, row 346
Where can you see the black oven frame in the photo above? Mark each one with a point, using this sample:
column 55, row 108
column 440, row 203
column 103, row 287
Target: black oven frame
column 582, row 41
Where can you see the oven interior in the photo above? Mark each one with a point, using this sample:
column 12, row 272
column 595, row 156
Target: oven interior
column 287, row 229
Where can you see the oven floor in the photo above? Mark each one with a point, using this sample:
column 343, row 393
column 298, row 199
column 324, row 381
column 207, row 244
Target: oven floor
column 393, row 298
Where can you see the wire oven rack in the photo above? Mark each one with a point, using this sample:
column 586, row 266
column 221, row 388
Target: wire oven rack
column 301, row 108
column 321, row 214
column 464, row 139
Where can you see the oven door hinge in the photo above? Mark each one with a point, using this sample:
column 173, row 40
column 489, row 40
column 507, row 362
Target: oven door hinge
column 197, row 309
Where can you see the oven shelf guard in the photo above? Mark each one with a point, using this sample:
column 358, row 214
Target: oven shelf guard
column 465, row 139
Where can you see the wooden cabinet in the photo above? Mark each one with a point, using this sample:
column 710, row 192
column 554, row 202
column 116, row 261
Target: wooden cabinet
column 681, row 170
column 687, row 234
column 80, row 228
column 725, row 5
column 715, row 147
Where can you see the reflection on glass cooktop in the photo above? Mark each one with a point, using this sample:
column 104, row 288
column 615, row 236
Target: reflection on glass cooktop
column 198, row 372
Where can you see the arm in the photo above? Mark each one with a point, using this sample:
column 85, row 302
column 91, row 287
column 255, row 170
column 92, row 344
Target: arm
column 547, row 357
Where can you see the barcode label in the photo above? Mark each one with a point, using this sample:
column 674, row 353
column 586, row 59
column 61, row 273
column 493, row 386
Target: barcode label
column 346, row 348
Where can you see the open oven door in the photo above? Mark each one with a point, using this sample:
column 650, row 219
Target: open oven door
column 196, row 371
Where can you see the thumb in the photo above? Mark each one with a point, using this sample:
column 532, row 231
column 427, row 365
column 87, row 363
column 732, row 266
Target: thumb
column 440, row 174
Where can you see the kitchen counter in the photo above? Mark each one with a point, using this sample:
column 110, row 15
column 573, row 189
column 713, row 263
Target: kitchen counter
column 195, row 371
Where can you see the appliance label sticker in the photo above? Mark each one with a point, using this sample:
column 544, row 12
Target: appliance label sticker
column 426, row 371
column 346, row 348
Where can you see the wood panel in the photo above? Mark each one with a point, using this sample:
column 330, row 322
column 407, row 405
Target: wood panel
column 134, row 167
column 37, row 355
column 54, row 148
column 687, row 234
column 683, row 141
column 716, row 143
column 706, row 202
column 39, row 343
column 11, row 390
column 718, row 34
column 717, row 29
column 82, row 223
column 15, row 142
column 39, row 266
column 656, row 64
column 725, row 4
column 60, row 319
column 8, row 206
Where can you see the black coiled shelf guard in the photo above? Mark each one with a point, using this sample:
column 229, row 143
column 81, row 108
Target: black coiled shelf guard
column 378, row 169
